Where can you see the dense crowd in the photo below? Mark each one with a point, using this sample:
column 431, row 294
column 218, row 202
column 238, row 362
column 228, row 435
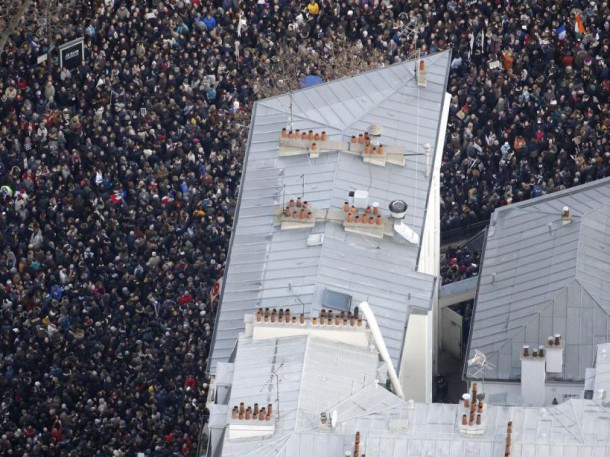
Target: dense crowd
column 529, row 113
column 459, row 263
column 120, row 177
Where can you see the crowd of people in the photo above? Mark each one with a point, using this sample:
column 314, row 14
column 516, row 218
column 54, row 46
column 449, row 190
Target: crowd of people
column 459, row 263
column 529, row 113
column 119, row 181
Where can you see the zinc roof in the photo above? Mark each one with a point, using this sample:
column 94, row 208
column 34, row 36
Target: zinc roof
column 270, row 267
column 540, row 277
column 316, row 375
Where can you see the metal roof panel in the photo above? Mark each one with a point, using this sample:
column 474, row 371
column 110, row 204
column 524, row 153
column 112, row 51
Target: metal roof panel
column 270, row 267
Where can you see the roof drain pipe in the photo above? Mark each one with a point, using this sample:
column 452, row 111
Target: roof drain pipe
column 383, row 350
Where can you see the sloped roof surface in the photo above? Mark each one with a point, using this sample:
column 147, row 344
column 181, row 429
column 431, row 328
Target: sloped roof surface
column 268, row 267
column 315, row 376
column 540, row 277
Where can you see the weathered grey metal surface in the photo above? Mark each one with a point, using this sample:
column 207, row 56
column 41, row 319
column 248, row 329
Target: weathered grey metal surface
column 540, row 277
column 268, row 267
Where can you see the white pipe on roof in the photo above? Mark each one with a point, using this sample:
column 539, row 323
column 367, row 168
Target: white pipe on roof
column 383, row 350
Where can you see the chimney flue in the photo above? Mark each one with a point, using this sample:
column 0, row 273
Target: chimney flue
column 557, row 339
column 509, row 430
column 566, row 216
column 526, row 350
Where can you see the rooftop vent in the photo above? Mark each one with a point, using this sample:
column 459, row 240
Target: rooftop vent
column 398, row 210
column 375, row 130
column 361, row 198
column 566, row 216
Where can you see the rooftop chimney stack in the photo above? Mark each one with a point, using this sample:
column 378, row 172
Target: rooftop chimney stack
column 248, row 422
column 473, row 412
column 533, row 377
column 554, row 354
column 421, row 73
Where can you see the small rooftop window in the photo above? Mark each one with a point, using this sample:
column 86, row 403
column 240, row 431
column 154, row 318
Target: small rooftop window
column 336, row 300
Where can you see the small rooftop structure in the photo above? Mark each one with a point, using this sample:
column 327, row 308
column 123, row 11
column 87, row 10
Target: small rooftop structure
column 545, row 271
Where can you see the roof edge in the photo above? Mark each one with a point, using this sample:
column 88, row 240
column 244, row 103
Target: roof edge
column 552, row 196
column 397, row 64
column 235, row 218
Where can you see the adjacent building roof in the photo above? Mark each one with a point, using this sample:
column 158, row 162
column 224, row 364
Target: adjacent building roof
column 541, row 277
column 270, row 267
column 305, row 376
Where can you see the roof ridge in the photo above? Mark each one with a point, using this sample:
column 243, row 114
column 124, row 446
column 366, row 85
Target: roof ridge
column 555, row 195
column 296, row 115
column 410, row 77
column 430, row 57
column 586, row 289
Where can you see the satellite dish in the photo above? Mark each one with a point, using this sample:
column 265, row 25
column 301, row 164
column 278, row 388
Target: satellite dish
column 333, row 418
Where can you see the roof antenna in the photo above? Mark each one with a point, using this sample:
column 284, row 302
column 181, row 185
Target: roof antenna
column 479, row 365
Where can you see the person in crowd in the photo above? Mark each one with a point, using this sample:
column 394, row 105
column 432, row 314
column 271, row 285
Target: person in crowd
column 458, row 264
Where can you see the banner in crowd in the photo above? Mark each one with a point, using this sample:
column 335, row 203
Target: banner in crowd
column 72, row 54
column 215, row 292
